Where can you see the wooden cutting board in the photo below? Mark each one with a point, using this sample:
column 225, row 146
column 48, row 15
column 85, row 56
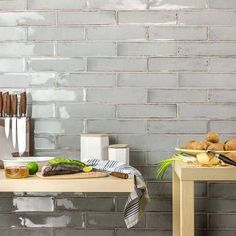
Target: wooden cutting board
column 82, row 175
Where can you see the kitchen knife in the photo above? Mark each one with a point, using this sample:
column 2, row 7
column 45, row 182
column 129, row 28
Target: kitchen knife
column 114, row 173
column 222, row 158
column 7, row 114
column 119, row 175
column 1, row 105
column 21, row 125
column 13, row 119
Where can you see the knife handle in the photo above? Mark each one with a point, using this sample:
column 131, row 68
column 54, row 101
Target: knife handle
column 4, row 102
column 14, row 104
column 120, row 175
column 8, row 104
column 11, row 101
column 1, row 104
column 23, row 103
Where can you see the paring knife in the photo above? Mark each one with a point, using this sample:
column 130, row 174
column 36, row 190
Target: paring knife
column 222, row 158
column 7, row 114
column 13, row 120
column 21, row 125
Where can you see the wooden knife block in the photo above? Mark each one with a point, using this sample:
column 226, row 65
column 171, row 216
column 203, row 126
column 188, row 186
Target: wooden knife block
column 6, row 147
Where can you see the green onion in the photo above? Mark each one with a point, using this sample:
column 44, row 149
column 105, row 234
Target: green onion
column 163, row 165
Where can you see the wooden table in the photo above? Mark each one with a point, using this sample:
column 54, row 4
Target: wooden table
column 35, row 184
column 183, row 178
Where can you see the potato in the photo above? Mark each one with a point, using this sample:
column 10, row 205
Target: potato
column 188, row 145
column 207, row 159
column 206, row 144
column 213, row 137
column 231, row 155
column 216, row 147
column 230, row 145
column 195, row 145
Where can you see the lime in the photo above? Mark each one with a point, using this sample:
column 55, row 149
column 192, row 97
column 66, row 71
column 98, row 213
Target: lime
column 87, row 168
column 33, row 167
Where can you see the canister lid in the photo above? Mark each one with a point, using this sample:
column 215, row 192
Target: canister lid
column 118, row 146
column 94, row 135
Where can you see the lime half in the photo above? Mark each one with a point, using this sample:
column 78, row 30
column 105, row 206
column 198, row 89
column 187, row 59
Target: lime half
column 33, row 168
column 87, row 168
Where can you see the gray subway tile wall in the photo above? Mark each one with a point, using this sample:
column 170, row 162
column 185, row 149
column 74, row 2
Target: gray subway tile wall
column 26, row 18
column 150, row 73
column 52, row 33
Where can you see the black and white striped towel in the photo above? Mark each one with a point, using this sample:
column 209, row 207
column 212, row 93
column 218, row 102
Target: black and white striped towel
column 138, row 199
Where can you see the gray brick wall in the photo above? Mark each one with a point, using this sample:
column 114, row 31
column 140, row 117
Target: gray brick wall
column 151, row 73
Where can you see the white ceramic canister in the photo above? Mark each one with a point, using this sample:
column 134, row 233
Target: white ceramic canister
column 94, row 146
column 119, row 152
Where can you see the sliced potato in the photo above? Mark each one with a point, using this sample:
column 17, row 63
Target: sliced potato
column 214, row 161
column 203, row 158
column 207, row 159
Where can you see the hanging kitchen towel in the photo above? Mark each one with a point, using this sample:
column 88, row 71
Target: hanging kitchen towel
column 138, row 199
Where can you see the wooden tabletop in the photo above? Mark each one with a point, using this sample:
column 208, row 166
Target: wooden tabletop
column 189, row 171
column 35, row 184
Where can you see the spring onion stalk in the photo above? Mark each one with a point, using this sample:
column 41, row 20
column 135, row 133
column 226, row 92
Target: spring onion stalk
column 163, row 165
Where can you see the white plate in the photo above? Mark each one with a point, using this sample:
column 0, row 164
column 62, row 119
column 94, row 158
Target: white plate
column 195, row 152
column 23, row 161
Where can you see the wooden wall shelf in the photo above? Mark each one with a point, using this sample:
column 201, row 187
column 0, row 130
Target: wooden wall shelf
column 35, row 184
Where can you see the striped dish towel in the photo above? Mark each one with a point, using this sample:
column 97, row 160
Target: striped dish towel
column 138, row 199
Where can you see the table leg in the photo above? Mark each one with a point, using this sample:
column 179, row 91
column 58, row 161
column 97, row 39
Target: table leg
column 176, row 203
column 186, row 208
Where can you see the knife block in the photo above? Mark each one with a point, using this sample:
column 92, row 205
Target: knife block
column 6, row 147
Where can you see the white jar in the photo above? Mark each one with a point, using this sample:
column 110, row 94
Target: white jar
column 94, row 146
column 119, row 152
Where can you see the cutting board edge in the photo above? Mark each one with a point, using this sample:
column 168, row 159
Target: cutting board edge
column 75, row 176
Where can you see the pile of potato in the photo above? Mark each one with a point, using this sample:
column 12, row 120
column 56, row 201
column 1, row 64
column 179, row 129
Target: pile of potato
column 212, row 142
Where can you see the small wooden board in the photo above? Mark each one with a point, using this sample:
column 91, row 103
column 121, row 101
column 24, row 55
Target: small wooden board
column 83, row 175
